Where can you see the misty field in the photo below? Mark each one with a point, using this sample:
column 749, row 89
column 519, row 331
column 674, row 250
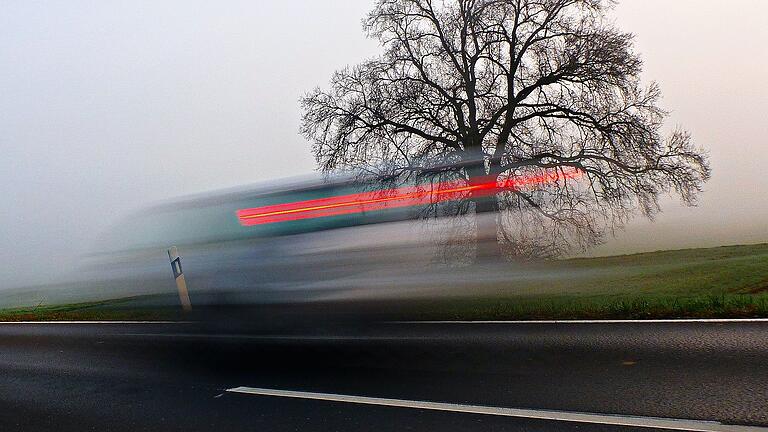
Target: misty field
column 729, row 281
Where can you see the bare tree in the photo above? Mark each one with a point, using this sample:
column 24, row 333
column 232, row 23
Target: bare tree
column 503, row 89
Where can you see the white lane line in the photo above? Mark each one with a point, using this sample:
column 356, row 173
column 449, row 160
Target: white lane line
column 649, row 321
column 279, row 337
column 93, row 322
column 561, row 416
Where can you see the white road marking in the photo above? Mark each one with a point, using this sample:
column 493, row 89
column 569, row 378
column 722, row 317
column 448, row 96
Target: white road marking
column 94, row 322
column 656, row 321
column 561, row 416
column 279, row 337
column 648, row 321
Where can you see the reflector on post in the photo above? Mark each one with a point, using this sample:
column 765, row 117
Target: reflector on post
column 178, row 274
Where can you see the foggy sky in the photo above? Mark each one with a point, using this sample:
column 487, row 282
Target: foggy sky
column 107, row 106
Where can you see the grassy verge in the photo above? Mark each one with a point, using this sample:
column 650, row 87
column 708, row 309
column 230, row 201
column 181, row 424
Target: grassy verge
column 571, row 307
column 109, row 310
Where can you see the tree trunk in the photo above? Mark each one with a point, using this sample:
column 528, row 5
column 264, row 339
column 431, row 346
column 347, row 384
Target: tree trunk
column 486, row 220
column 486, row 206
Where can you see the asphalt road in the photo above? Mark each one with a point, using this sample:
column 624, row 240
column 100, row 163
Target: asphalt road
column 136, row 377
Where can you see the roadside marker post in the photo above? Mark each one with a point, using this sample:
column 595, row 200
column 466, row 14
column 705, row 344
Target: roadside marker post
column 178, row 274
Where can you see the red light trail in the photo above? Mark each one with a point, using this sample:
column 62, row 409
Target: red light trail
column 407, row 196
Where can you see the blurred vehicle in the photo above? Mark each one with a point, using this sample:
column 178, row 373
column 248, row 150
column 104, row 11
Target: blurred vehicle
column 233, row 254
column 302, row 240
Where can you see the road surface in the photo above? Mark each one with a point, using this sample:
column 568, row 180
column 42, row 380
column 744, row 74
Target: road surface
column 389, row 376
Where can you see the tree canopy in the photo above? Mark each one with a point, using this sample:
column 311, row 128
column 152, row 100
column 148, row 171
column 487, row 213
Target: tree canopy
column 525, row 87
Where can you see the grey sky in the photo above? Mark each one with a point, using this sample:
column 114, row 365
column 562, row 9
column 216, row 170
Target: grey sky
column 106, row 106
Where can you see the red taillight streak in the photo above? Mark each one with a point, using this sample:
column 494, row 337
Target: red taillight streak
column 359, row 205
column 344, row 203
column 392, row 198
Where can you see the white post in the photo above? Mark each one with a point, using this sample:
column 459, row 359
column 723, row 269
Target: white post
column 178, row 274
